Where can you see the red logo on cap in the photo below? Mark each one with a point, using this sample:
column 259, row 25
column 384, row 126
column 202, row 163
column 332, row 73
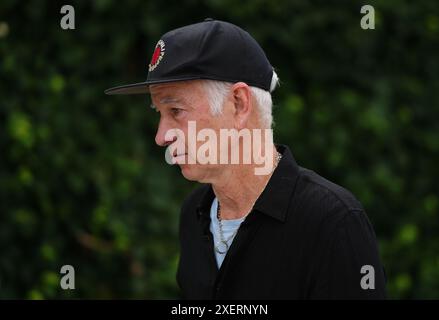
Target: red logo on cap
column 157, row 56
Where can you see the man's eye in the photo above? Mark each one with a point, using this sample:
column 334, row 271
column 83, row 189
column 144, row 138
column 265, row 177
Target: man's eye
column 176, row 111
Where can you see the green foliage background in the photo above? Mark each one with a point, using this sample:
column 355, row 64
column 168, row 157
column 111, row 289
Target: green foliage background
column 82, row 182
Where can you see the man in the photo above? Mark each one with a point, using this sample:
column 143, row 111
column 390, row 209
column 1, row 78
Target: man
column 282, row 232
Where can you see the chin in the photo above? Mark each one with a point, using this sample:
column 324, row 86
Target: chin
column 188, row 172
column 192, row 172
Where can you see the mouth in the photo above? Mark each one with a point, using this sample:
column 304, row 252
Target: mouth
column 179, row 154
column 179, row 158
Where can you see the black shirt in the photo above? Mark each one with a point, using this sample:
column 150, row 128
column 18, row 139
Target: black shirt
column 306, row 238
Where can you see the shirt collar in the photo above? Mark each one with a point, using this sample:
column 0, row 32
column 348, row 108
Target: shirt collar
column 274, row 200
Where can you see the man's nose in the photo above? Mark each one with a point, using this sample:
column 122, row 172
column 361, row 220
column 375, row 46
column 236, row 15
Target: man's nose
column 160, row 137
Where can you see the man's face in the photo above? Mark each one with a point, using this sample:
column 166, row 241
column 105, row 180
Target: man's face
column 181, row 102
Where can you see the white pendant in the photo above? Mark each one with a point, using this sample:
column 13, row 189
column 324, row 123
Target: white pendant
column 222, row 247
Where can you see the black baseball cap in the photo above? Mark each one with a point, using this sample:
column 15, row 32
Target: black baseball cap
column 211, row 49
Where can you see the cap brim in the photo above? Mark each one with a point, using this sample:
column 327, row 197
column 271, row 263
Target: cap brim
column 135, row 88
column 143, row 87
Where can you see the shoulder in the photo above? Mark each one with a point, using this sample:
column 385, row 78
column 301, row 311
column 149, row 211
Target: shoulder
column 314, row 188
column 333, row 217
column 340, row 238
column 321, row 205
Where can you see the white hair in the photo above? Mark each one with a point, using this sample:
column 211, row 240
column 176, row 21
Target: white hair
column 218, row 90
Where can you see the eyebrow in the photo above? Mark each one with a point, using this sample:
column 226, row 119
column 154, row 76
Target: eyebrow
column 169, row 100
column 166, row 100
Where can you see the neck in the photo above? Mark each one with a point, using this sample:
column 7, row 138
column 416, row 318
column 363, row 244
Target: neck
column 238, row 188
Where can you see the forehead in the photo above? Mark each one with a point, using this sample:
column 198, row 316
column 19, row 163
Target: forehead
column 171, row 92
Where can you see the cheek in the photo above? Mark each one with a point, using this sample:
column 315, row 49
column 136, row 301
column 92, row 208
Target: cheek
column 226, row 119
column 199, row 118
column 203, row 119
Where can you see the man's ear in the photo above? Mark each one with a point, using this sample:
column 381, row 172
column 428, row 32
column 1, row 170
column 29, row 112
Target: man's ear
column 242, row 104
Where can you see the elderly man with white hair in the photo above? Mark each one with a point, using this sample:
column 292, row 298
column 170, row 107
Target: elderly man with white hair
column 259, row 226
